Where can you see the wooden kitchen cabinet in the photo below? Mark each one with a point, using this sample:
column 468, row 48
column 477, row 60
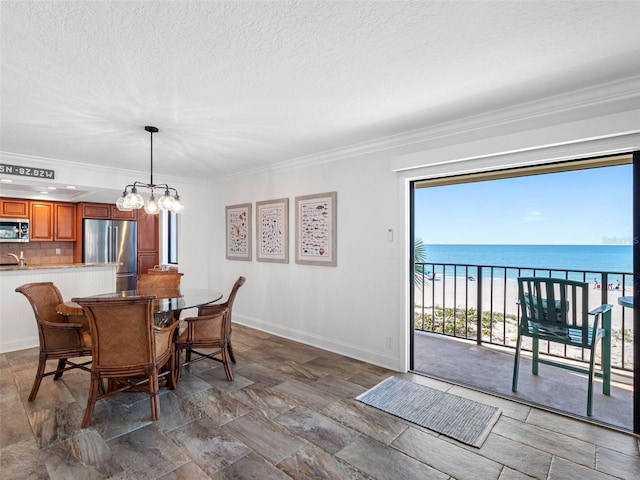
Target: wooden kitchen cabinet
column 52, row 221
column 41, row 221
column 148, row 243
column 64, row 222
column 14, row 208
column 105, row 211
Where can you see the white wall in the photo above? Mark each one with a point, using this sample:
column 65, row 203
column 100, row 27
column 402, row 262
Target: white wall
column 351, row 308
column 18, row 329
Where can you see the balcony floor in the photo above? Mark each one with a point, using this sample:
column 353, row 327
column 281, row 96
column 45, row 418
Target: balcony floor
column 490, row 369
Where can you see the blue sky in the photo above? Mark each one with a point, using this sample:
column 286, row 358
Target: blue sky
column 583, row 207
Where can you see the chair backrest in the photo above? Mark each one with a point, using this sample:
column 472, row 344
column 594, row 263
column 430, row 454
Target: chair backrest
column 552, row 306
column 165, row 280
column 163, row 269
column 44, row 298
column 121, row 332
column 228, row 304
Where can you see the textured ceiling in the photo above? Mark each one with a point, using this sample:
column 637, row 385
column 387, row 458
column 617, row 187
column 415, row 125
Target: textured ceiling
column 236, row 85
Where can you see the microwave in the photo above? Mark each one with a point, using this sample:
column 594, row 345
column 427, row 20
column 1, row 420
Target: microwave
column 14, row 230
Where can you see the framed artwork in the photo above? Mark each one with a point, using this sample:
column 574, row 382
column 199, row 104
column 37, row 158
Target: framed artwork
column 316, row 229
column 238, row 219
column 272, row 231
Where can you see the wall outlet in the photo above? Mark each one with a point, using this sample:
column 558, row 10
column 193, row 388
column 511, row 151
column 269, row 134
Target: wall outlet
column 389, row 343
column 58, row 251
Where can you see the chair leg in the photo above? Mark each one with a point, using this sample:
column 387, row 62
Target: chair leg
column 231, row 354
column 590, row 386
column 535, row 344
column 606, row 363
column 172, row 375
column 60, row 370
column 154, row 396
column 516, row 366
column 42, row 363
column 225, row 364
column 177, row 364
column 91, row 401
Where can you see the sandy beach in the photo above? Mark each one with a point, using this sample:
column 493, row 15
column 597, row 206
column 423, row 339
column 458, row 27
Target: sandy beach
column 462, row 293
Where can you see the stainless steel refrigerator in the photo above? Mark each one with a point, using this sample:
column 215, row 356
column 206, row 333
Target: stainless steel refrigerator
column 105, row 241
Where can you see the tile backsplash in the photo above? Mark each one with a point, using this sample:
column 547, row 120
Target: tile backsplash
column 39, row 253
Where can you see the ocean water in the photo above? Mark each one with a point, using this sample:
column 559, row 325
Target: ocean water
column 590, row 258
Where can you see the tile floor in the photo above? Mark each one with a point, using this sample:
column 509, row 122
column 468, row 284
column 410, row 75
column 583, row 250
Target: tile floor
column 289, row 413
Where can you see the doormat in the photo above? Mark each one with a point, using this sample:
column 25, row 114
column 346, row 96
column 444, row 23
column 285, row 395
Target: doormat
column 456, row 417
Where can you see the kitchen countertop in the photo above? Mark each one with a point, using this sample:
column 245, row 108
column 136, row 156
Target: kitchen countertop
column 4, row 268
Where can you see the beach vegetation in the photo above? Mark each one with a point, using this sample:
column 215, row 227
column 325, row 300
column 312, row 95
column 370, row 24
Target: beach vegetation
column 458, row 322
column 419, row 259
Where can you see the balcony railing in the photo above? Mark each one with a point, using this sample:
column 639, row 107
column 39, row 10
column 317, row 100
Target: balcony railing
column 448, row 298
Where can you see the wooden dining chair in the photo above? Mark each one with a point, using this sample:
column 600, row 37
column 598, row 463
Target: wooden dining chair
column 228, row 305
column 163, row 269
column 128, row 350
column 210, row 330
column 153, row 280
column 59, row 340
column 557, row 311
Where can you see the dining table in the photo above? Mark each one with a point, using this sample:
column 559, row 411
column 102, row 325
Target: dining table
column 626, row 301
column 167, row 305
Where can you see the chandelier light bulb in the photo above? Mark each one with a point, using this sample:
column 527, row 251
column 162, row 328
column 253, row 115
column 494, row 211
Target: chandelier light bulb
column 133, row 200
column 120, row 203
column 151, row 206
column 178, row 207
column 166, row 201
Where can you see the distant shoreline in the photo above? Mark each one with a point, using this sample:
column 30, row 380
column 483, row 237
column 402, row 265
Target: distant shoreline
column 615, row 260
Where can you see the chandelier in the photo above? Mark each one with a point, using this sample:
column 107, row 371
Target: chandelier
column 131, row 199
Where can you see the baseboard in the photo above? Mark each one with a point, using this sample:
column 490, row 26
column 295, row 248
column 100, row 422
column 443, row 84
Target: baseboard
column 332, row 345
column 19, row 344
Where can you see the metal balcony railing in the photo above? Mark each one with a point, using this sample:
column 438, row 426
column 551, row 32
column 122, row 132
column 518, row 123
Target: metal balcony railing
column 479, row 303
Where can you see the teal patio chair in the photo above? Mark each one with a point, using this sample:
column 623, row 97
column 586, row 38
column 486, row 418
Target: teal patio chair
column 556, row 310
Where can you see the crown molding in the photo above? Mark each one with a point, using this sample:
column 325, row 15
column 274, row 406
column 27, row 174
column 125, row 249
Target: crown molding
column 68, row 166
column 611, row 97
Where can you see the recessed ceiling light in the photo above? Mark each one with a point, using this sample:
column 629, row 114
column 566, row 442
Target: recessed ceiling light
column 45, row 193
column 51, row 188
column 71, row 187
column 6, row 180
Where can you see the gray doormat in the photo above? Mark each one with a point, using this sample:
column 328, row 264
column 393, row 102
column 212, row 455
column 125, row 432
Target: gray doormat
column 459, row 418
